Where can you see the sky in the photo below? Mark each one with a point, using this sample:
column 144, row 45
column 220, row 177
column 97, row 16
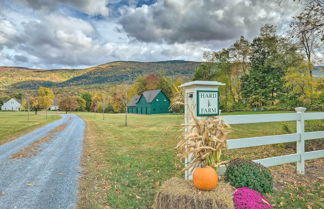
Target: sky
column 54, row 34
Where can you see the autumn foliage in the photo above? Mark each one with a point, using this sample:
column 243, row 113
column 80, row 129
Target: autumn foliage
column 68, row 104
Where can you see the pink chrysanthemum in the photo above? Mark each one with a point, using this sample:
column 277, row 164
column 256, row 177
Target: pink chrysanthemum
column 246, row 198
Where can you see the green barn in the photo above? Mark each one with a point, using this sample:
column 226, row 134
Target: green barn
column 149, row 102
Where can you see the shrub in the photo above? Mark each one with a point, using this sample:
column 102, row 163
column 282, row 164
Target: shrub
column 248, row 198
column 245, row 173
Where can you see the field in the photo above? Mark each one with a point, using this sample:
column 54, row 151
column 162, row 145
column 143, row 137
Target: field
column 124, row 166
column 15, row 124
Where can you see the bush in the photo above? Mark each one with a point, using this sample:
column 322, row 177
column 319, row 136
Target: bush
column 245, row 173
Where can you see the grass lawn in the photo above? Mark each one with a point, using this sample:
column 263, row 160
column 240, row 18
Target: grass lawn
column 124, row 166
column 15, row 124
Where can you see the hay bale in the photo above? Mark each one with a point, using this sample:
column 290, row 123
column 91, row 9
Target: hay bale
column 178, row 193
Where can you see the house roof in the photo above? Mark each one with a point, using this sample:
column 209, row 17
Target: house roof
column 151, row 94
column 134, row 100
column 17, row 100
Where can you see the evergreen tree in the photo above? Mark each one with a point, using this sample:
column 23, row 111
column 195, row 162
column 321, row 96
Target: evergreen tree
column 271, row 56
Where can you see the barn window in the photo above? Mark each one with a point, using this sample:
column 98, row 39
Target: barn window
column 157, row 100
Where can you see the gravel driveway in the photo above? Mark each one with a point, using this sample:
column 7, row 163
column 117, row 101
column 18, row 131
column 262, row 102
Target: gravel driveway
column 49, row 179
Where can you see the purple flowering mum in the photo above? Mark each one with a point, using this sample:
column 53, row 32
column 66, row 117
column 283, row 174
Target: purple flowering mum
column 246, row 198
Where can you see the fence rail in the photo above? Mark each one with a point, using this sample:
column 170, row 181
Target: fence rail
column 299, row 137
column 259, row 118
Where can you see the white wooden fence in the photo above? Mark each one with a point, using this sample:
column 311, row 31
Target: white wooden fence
column 300, row 137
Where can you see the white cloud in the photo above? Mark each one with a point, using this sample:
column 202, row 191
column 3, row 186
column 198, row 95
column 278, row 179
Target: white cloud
column 96, row 7
column 92, row 7
column 200, row 20
column 56, row 41
column 7, row 31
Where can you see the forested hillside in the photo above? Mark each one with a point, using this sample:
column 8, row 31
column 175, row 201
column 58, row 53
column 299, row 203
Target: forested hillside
column 118, row 72
column 22, row 79
column 12, row 76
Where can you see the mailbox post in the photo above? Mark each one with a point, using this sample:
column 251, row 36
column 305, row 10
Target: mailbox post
column 202, row 99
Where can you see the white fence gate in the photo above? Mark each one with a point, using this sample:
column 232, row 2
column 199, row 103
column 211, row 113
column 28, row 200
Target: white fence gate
column 300, row 137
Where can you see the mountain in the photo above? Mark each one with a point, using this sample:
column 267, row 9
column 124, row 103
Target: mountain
column 18, row 79
column 11, row 76
column 119, row 72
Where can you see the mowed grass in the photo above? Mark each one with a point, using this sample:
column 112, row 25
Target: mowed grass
column 124, row 166
column 15, row 124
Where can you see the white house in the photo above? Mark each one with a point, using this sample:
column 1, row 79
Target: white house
column 12, row 104
column 55, row 105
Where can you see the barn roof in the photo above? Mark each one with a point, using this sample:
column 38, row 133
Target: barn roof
column 134, row 100
column 151, row 94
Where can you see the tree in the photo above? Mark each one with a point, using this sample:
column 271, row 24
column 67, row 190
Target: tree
column 317, row 102
column 24, row 105
column 308, row 29
column 204, row 72
column 177, row 100
column 165, row 85
column 224, row 74
column 3, row 100
column 300, row 83
column 240, row 54
column 68, row 104
column 96, row 100
column 81, row 103
column 230, row 65
column 45, row 98
column 17, row 96
column 88, row 99
column 35, row 105
column 109, row 108
column 150, row 82
column 143, row 83
column 118, row 100
column 270, row 58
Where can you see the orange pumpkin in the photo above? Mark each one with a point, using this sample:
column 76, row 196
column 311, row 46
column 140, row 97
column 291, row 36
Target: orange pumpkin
column 205, row 178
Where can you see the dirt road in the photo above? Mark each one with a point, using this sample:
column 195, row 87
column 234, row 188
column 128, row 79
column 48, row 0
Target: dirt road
column 40, row 170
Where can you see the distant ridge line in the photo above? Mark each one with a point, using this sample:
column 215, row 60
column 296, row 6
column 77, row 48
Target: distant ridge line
column 163, row 61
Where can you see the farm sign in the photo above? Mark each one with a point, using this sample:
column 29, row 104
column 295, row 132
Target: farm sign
column 207, row 103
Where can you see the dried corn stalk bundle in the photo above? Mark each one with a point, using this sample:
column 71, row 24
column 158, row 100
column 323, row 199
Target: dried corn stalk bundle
column 203, row 141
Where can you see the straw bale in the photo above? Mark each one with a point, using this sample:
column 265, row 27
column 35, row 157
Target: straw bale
column 178, row 193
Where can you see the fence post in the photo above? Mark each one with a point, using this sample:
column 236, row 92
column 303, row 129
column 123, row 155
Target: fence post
column 301, row 141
